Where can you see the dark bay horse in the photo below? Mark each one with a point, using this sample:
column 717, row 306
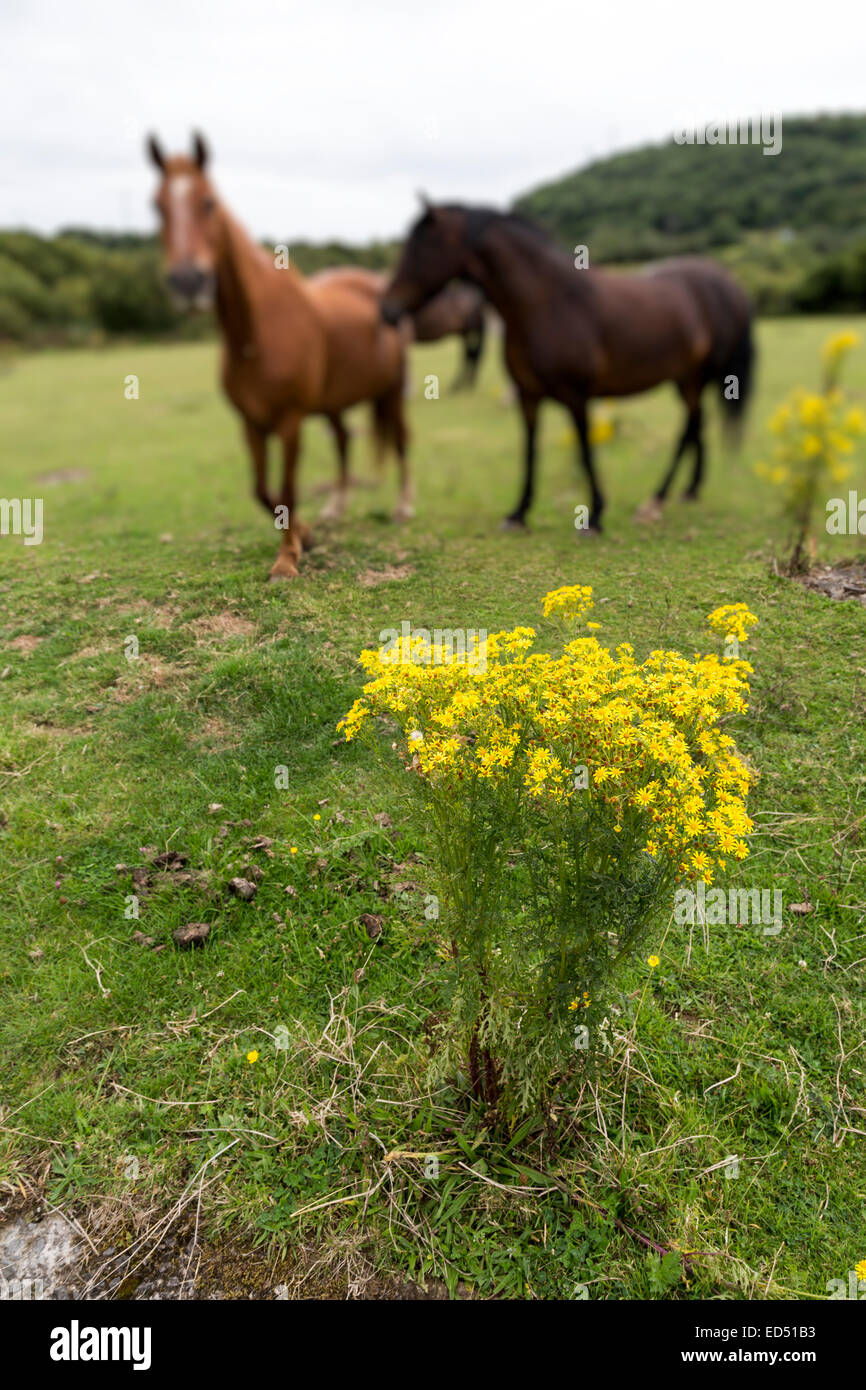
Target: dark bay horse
column 291, row 347
column 574, row 334
column 459, row 310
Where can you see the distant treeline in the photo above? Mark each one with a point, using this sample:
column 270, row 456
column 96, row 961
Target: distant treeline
column 82, row 285
column 791, row 226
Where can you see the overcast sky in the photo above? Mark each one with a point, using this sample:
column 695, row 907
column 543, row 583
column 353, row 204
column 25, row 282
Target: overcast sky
column 326, row 116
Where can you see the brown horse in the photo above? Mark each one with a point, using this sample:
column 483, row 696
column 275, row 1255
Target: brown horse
column 291, row 347
column 573, row 334
column 458, row 309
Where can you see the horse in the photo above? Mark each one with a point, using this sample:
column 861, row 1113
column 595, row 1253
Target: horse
column 291, row 347
column 573, row 334
column 458, row 309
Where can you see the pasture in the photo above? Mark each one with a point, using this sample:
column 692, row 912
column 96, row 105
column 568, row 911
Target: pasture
column 127, row 1093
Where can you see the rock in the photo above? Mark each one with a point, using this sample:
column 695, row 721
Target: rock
column 36, row 1257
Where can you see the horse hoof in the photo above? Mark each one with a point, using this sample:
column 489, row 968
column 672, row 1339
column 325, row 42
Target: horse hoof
column 513, row 523
column 282, row 569
column 404, row 512
column 588, row 531
column 333, row 510
column 649, row 511
column 689, row 497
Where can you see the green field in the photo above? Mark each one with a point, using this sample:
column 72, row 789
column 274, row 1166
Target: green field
column 126, row 1090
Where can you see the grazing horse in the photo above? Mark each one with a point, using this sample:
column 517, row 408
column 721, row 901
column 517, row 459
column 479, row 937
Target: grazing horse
column 573, row 334
column 458, row 309
column 291, row 347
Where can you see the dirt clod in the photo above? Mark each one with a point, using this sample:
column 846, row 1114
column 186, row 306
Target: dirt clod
column 193, row 934
column 242, row 888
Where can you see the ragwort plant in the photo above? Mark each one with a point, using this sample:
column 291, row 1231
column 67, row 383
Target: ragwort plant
column 815, row 435
column 563, row 798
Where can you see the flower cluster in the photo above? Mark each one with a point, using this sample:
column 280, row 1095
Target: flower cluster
column 835, row 349
column 640, row 742
column 815, row 437
column 815, row 433
column 732, row 620
column 568, row 603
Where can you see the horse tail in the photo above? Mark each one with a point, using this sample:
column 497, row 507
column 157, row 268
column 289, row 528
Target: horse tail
column 389, row 425
column 737, row 379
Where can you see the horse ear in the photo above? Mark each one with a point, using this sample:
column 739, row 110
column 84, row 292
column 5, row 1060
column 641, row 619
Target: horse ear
column 200, row 151
column 425, row 201
column 156, row 155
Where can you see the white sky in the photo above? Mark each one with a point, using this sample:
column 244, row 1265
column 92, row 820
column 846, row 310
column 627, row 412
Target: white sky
column 324, row 118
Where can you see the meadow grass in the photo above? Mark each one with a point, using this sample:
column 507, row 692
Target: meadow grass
column 125, row 1081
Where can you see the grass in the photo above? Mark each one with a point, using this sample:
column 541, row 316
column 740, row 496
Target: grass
column 126, row 1087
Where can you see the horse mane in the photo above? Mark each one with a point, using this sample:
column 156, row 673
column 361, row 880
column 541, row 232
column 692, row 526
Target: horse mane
column 521, row 229
column 478, row 219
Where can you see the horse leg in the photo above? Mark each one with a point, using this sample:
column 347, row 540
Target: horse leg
column 336, row 505
column 295, row 534
column 257, row 443
column 652, row 510
column 473, row 341
column 694, row 486
column 581, row 424
column 529, row 408
column 393, row 425
column 462, row 378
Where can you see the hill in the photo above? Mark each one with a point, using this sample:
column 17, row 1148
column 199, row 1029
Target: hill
column 669, row 199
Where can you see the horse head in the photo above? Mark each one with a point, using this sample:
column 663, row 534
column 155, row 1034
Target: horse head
column 187, row 205
column 435, row 252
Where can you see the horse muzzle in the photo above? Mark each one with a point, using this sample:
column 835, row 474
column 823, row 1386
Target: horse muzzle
column 391, row 312
column 191, row 287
